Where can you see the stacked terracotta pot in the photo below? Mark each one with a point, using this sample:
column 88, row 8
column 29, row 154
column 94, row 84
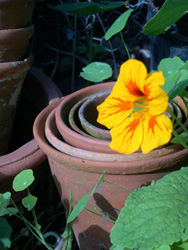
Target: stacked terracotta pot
column 34, row 92
column 15, row 33
column 78, row 159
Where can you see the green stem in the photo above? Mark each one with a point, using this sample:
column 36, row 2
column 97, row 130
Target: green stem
column 184, row 101
column 101, row 212
column 117, row 186
column 180, row 139
column 91, row 211
column 128, row 54
column 178, row 121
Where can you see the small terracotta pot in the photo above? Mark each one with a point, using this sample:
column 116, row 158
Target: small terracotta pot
column 81, row 175
column 23, row 152
column 14, row 43
column 12, row 75
column 88, row 116
column 15, row 13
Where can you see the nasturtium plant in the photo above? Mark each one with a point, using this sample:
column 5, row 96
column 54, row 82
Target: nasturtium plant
column 154, row 216
column 176, row 76
column 23, row 180
column 169, row 13
column 87, row 8
column 83, row 202
column 96, row 72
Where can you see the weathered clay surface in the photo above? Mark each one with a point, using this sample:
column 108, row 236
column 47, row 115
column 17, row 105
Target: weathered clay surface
column 27, row 154
column 12, row 75
column 15, row 13
column 14, row 43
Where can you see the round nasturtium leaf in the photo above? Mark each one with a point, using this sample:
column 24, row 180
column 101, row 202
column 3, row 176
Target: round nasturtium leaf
column 23, row 180
column 96, row 72
column 29, row 201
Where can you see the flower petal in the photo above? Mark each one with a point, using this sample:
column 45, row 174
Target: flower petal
column 113, row 111
column 156, row 97
column 130, row 83
column 157, row 132
column 127, row 137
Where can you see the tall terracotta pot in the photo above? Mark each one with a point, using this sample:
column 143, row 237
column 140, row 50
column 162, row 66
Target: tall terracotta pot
column 15, row 13
column 23, row 152
column 80, row 175
column 12, row 75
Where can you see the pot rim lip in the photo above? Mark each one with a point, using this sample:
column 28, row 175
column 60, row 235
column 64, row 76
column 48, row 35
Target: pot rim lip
column 29, row 28
column 105, row 132
column 61, row 123
column 31, row 147
column 64, row 129
column 64, row 147
column 136, row 167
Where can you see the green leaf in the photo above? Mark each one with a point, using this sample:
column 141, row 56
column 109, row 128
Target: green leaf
column 83, row 202
column 155, row 215
column 180, row 246
column 96, row 72
column 10, row 211
column 29, row 201
column 164, row 247
column 5, row 234
column 87, row 8
column 170, row 82
column 169, row 13
column 78, row 208
column 181, row 84
column 4, row 200
column 23, row 180
column 118, row 25
column 183, row 136
column 117, row 248
column 170, row 65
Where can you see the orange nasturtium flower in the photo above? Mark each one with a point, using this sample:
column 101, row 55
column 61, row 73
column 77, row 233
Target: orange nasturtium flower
column 134, row 111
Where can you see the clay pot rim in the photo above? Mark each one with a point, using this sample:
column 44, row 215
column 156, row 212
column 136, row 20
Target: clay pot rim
column 62, row 126
column 97, row 132
column 30, row 150
column 18, row 65
column 71, row 119
column 12, row 32
column 67, row 132
column 64, row 147
column 136, row 167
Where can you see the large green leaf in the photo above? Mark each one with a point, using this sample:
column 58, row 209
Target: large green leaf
column 96, row 72
column 170, row 12
column 87, row 8
column 118, row 25
column 155, row 215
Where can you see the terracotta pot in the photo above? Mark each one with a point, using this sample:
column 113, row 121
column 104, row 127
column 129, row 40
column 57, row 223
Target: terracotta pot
column 88, row 116
column 55, row 139
column 14, row 43
column 12, row 75
column 15, row 13
column 78, row 140
column 23, row 152
column 81, row 175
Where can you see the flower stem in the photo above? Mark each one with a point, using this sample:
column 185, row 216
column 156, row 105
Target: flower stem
column 128, row 54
